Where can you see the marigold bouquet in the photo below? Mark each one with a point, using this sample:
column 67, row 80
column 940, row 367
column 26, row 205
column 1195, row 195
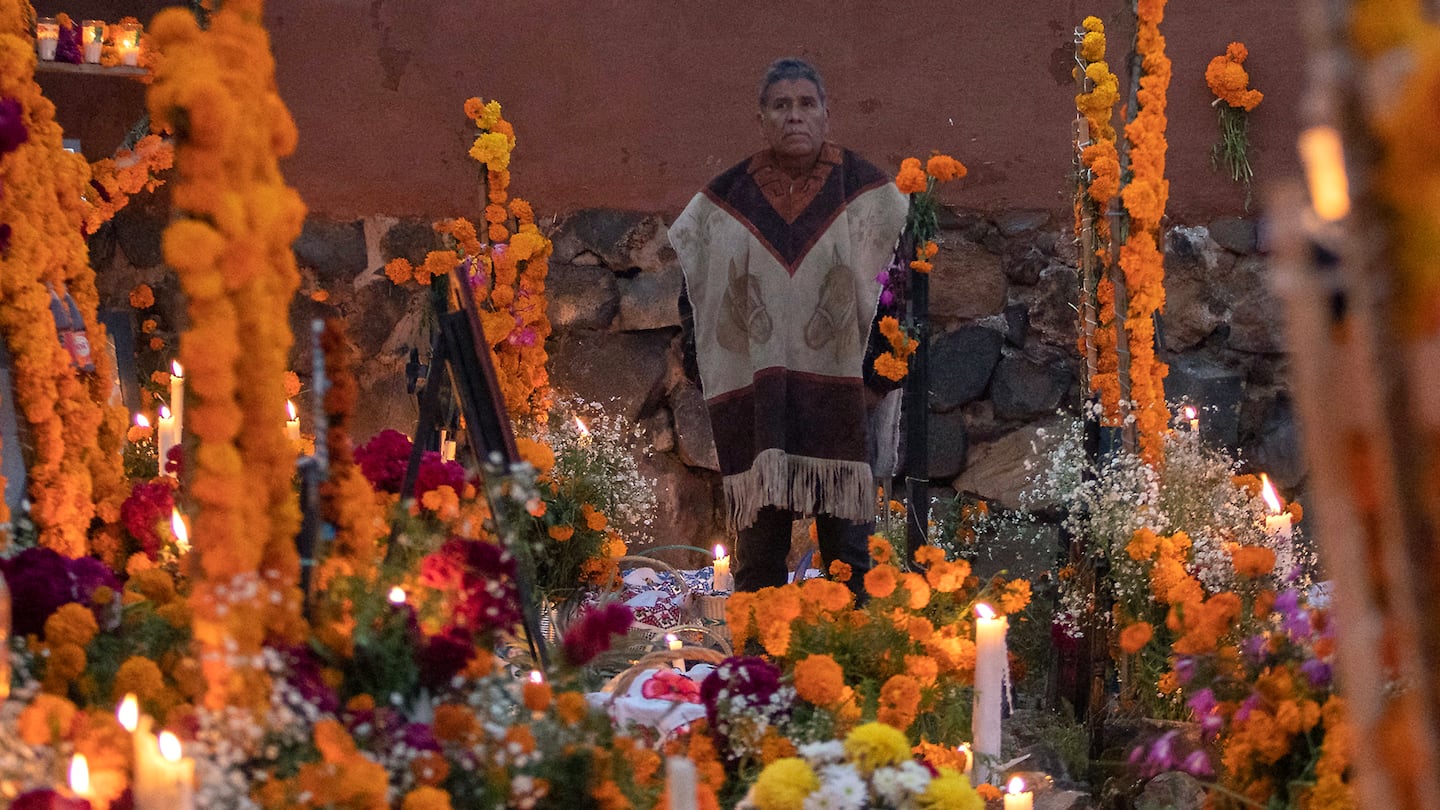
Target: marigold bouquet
column 872, row 767
column 906, row 658
column 1234, row 99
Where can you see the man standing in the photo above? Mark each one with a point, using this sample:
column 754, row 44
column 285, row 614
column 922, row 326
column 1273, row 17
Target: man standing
column 780, row 255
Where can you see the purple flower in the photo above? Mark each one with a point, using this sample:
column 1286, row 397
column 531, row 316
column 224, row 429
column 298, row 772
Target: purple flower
column 1250, row 704
column 39, row 580
column 886, row 298
column 383, row 460
column 1287, row 602
column 1203, row 702
column 419, row 737
column 591, row 635
column 12, row 125
column 4, row 237
column 748, row 681
column 1159, row 756
column 87, row 575
column 306, row 677
column 444, row 656
column 1254, row 648
column 1184, row 670
column 1197, row 764
column 1318, row 673
column 883, row 277
column 67, row 49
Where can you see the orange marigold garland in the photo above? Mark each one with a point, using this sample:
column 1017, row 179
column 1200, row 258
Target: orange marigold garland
column 506, row 262
column 1145, row 197
column 74, row 439
column 230, row 246
column 1100, row 183
column 1234, row 100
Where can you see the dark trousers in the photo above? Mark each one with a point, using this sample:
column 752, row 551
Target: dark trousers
column 761, row 548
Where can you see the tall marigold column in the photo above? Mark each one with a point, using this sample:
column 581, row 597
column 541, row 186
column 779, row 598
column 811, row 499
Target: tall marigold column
column 1145, row 197
column 230, row 246
column 73, row 449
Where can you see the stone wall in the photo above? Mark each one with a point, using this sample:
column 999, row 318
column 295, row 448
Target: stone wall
column 1003, row 357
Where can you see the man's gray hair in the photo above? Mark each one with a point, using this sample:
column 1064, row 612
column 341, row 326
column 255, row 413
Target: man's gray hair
column 790, row 67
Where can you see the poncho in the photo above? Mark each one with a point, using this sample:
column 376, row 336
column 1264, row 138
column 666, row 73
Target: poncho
column 784, row 291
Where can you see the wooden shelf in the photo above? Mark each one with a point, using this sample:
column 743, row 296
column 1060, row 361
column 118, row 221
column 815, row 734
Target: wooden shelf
column 93, row 70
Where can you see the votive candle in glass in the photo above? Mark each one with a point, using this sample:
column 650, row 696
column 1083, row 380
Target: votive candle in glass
column 47, row 37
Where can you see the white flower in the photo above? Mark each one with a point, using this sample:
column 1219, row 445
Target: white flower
column 821, row 753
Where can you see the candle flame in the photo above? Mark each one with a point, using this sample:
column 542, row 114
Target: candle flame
column 397, row 595
column 290, row 406
column 176, row 370
column 1189, row 412
column 129, row 713
column 719, row 551
column 536, row 677
column 1267, row 492
column 984, row 611
column 164, row 412
column 672, row 641
column 141, row 421
column 580, row 425
column 169, row 746
column 1324, row 157
column 80, row 775
column 177, row 525
column 1016, row 786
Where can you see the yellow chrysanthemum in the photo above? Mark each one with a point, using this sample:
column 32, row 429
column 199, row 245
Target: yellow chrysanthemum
column 784, row 784
column 875, row 745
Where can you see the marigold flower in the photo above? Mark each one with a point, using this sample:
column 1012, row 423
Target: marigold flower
column 899, row 701
column 891, row 367
column 876, row 745
column 570, row 707
column 1136, row 636
column 1253, row 561
column 881, row 580
column 594, row 518
column 399, row 270
column 426, row 797
column 819, row 679
column 784, row 784
column 840, row 570
column 73, row 623
column 454, row 723
column 911, row 179
column 945, row 168
column 142, row 297
column 560, row 534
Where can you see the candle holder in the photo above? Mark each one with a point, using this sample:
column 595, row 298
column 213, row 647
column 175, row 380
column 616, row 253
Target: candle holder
column 47, row 37
column 92, row 40
column 128, row 43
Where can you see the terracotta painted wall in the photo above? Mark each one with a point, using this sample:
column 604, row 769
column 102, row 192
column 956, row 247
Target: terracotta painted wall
column 636, row 103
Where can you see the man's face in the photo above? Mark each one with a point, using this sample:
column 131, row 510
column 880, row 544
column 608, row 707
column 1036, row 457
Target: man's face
column 793, row 119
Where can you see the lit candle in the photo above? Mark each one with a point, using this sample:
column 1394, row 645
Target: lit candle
column 1277, row 523
column 80, row 778
column 176, row 772
column 675, row 644
column 180, row 530
column 128, row 43
column 397, row 595
column 991, row 663
column 535, row 693
column 1324, row 157
column 47, row 37
column 964, row 750
column 584, row 432
column 1017, row 797
column 177, row 398
column 292, row 425
column 722, row 580
column 92, row 36
column 681, row 779
column 165, row 437
column 1193, row 418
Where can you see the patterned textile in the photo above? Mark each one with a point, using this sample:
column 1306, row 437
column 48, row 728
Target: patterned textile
column 781, row 275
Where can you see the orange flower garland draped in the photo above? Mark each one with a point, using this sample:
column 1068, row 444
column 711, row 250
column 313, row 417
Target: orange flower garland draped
column 1101, row 159
column 1145, row 197
column 508, row 263
column 73, row 436
column 230, row 247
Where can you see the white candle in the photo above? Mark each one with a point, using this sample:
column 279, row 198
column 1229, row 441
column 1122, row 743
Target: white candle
column 80, row 776
column 1323, row 154
column 47, row 37
column 92, row 37
column 128, row 43
column 180, row 530
column 292, row 425
column 964, row 750
column 165, row 437
column 675, row 644
column 723, row 581
column 681, row 782
column 991, row 664
column 1017, row 797
column 1277, row 523
column 1193, row 418
column 177, row 398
